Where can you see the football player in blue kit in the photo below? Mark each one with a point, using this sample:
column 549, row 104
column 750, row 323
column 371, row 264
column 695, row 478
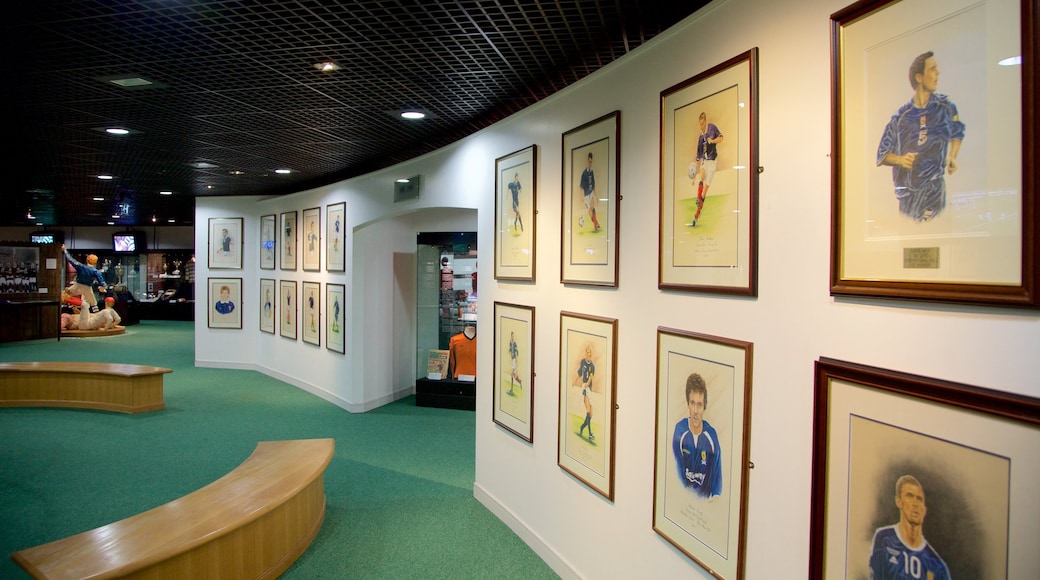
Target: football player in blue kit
column 899, row 551
column 695, row 444
column 586, row 370
column 921, row 143
column 514, row 190
column 705, row 162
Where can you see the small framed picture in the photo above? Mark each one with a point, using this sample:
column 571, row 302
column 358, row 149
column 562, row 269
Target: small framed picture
column 268, row 242
column 312, row 239
column 515, row 200
column 311, row 312
column 916, row 477
column 701, row 448
column 225, row 243
column 335, row 318
column 225, row 302
column 287, row 301
column 268, row 305
column 288, row 237
column 335, row 240
column 588, row 389
column 709, row 180
column 514, row 380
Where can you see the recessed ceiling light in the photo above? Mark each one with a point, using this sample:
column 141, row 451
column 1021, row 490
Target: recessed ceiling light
column 327, row 66
column 171, row 220
column 105, row 176
column 283, row 171
column 117, row 131
column 115, row 216
column 111, row 223
column 99, row 198
column 165, row 193
column 413, row 115
column 402, row 180
column 202, row 165
column 236, row 172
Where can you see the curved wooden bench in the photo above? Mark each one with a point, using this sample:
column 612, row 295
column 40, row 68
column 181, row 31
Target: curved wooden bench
column 252, row 523
column 84, row 385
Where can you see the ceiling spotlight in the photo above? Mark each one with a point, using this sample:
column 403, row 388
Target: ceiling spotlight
column 165, row 193
column 115, row 216
column 153, row 219
column 117, row 131
column 283, row 171
column 327, row 66
column 99, row 198
column 105, row 176
column 413, row 115
column 171, row 220
column 236, row 172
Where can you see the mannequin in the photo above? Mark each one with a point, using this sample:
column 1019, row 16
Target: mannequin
column 462, row 353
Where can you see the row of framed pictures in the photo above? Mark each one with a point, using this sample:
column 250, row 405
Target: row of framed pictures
column 971, row 450
column 292, row 313
column 283, row 241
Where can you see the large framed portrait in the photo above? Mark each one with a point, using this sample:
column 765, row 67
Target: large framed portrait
column 588, row 391
column 225, row 302
column 701, row 445
column 268, row 242
column 708, row 239
column 287, row 301
column 310, row 317
column 513, row 398
column 335, row 242
column 591, row 202
column 268, row 305
column 934, row 176
column 515, row 208
column 225, row 243
column 916, row 477
column 312, row 239
column 287, row 233
column 335, row 318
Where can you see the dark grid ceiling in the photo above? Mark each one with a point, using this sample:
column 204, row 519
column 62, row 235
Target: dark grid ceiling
column 236, row 93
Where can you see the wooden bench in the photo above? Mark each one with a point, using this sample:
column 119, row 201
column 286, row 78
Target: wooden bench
column 252, row 523
column 85, row 385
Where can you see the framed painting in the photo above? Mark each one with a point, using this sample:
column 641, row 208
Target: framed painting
column 515, row 209
column 287, row 260
column 513, row 400
column 934, row 176
column 312, row 239
column 708, row 229
column 591, row 203
column 915, row 477
column 701, row 446
column 268, row 305
column 268, row 242
column 588, row 390
column 287, row 300
column 335, row 318
column 310, row 317
column 225, row 302
column 225, row 243
column 335, row 243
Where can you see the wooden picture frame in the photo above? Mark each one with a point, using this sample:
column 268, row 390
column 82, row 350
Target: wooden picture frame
column 934, row 182
column 513, row 398
column 225, row 244
column 335, row 237
column 287, row 308
column 224, row 304
column 335, row 318
column 588, row 395
column 268, row 305
column 287, row 234
column 701, row 478
column 268, row 242
column 310, row 312
column 311, row 239
column 591, row 203
column 708, row 228
column 971, row 454
column 516, row 178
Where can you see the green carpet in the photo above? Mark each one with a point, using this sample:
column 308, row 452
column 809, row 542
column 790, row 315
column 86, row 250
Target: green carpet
column 399, row 488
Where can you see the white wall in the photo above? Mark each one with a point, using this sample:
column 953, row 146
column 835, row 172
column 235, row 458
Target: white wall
column 792, row 323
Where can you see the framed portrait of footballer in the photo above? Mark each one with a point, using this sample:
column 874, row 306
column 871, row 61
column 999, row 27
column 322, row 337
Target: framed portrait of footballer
column 708, row 206
column 287, row 233
column 591, row 202
column 312, row 239
column 335, row 318
column 335, row 249
column 915, row 477
column 310, row 314
column 268, row 242
column 702, row 438
column 225, row 243
column 287, row 308
column 588, row 391
column 268, row 305
column 934, row 151
column 515, row 208
column 225, row 302
column 513, row 398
